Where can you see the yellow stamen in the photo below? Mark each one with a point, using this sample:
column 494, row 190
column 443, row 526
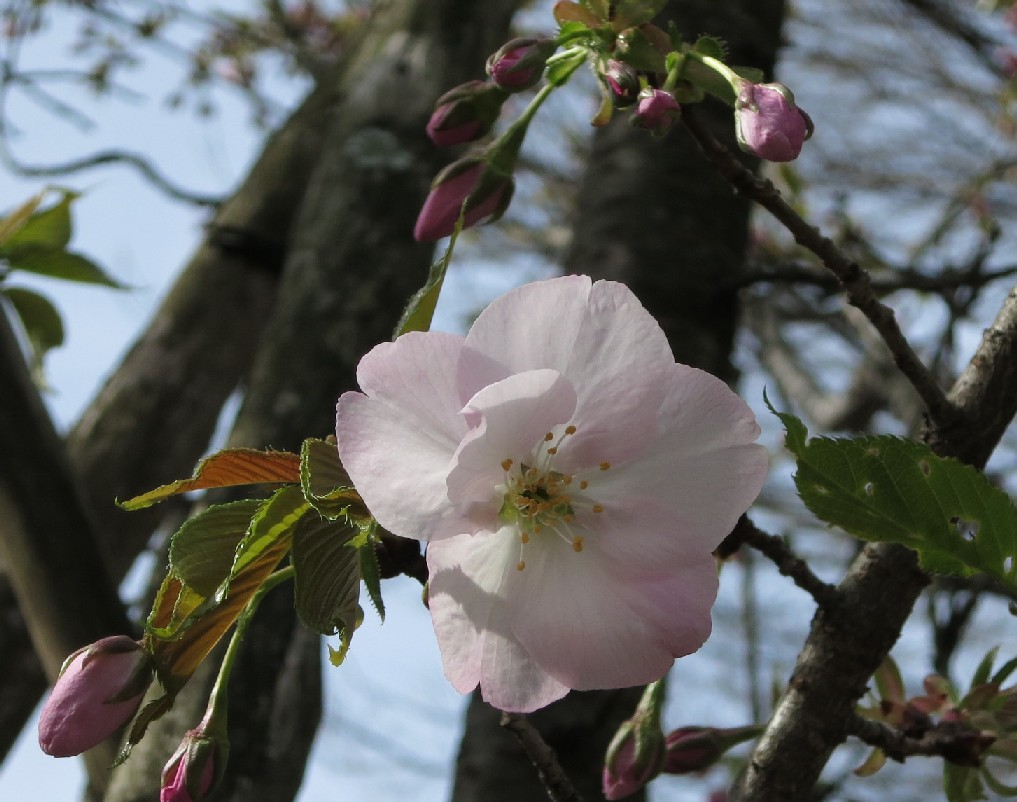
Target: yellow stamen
column 549, row 437
column 552, row 451
column 598, row 507
column 583, row 484
column 524, row 538
column 506, row 464
column 570, row 430
column 521, row 565
column 605, row 465
column 577, row 544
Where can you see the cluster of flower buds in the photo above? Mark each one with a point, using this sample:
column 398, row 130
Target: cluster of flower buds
column 483, row 179
column 98, row 691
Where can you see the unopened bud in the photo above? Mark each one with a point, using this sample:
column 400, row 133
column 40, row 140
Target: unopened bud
column 97, row 692
column 657, row 111
column 769, row 124
column 195, row 769
column 465, row 113
column 486, row 191
column 623, row 81
column 518, row 64
column 636, row 753
column 694, row 749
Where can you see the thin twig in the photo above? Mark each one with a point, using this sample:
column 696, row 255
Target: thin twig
column 107, row 157
column 954, row 741
column 559, row 786
column 787, row 562
column 856, row 281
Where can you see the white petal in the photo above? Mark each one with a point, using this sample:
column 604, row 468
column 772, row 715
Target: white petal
column 509, row 419
column 703, row 470
column 416, row 375
column 533, row 326
column 397, row 441
column 467, row 582
column 398, row 468
column 592, row 626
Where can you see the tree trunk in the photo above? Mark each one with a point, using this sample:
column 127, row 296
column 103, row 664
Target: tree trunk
column 350, row 270
column 654, row 215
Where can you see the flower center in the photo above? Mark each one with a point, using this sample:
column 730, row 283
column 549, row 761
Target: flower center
column 539, row 499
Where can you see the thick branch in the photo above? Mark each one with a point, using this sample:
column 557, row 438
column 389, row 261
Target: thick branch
column 847, row 644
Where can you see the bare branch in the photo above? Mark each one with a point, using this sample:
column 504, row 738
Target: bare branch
column 952, row 740
column 855, row 281
column 559, row 786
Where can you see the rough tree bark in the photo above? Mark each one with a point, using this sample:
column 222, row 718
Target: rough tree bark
column 350, row 270
column 848, row 641
column 156, row 413
column 654, row 215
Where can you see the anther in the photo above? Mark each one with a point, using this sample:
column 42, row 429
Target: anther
column 552, row 451
column 577, row 544
column 605, row 465
column 566, row 479
column 524, row 538
column 521, row 565
column 583, row 484
column 598, row 507
column 570, row 430
column 506, row 464
column 549, row 437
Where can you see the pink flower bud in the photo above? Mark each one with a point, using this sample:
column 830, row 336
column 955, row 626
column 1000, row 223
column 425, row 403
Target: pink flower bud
column 195, row 768
column 628, row 768
column 623, row 81
column 97, row 692
column 657, row 111
column 465, row 113
column 488, row 189
column 519, row 63
column 636, row 753
column 769, row 124
column 694, row 749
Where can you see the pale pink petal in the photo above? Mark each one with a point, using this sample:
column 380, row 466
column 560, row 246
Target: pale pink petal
column 531, row 327
column 699, row 474
column 398, row 468
column 397, row 441
column 509, row 419
column 468, row 577
column 591, row 624
column 416, row 375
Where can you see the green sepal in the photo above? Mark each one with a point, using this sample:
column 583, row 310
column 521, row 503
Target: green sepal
column 636, row 50
column 885, row 488
column 202, row 551
column 326, row 574
column 325, row 483
column 561, row 67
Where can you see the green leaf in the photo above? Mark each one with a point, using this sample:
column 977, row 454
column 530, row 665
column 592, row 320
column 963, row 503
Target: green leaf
column 325, row 483
column 629, row 13
column 49, row 229
column 15, row 220
column 227, row 468
column 276, row 519
column 371, row 574
column 40, row 320
column 203, row 549
column 326, row 575
column 60, row 264
column 419, row 311
column 711, row 46
column 981, row 675
column 884, row 488
column 961, row 783
column 889, row 682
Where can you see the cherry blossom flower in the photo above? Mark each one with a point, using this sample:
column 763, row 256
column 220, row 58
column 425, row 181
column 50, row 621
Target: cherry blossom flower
column 571, row 478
